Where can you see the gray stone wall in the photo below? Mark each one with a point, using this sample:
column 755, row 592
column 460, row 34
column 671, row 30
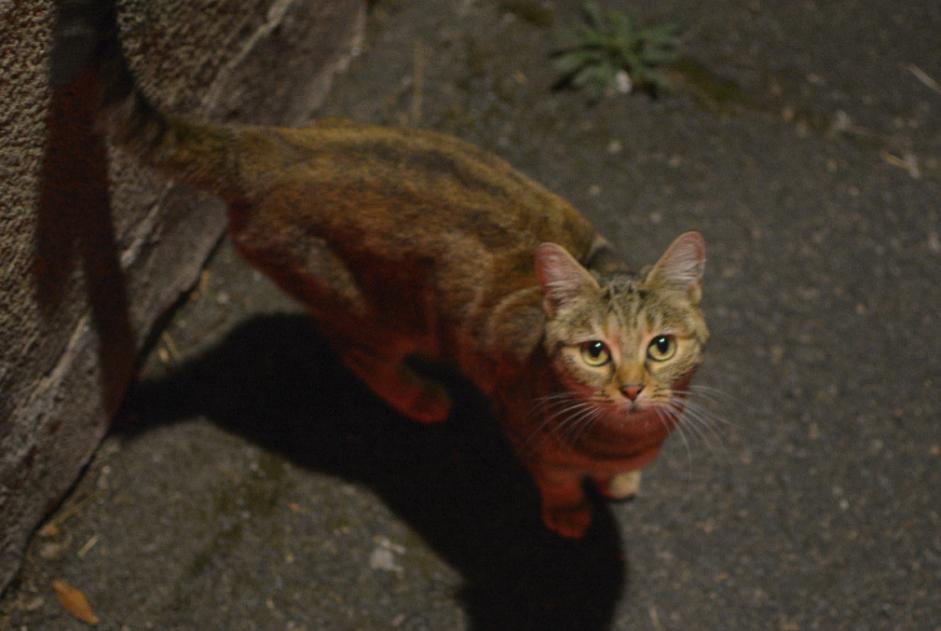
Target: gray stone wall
column 93, row 248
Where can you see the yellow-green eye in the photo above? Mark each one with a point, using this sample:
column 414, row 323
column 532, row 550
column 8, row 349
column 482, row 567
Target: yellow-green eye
column 662, row 348
column 595, row 353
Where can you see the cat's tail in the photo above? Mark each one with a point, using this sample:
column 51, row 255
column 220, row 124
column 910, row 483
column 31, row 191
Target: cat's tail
column 87, row 46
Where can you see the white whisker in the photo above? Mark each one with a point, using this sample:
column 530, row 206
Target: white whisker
column 573, row 420
column 564, row 414
column 663, row 415
column 712, row 396
column 552, row 415
column 552, row 400
column 567, row 406
column 702, row 422
column 585, row 421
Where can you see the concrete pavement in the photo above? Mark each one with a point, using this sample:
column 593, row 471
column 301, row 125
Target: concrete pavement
column 254, row 484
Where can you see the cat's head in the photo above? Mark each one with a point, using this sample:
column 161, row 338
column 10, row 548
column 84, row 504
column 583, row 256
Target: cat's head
column 625, row 344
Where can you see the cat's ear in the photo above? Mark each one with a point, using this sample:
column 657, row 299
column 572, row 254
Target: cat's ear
column 560, row 276
column 681, row 266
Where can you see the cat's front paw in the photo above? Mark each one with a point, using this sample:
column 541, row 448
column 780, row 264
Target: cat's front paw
column 568, row 521
column 432, row 404
column 621, row 486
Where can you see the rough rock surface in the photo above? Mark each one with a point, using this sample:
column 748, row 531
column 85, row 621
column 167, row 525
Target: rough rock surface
column 95, row 248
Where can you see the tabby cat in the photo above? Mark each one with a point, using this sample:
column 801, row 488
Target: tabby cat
column 412, row 244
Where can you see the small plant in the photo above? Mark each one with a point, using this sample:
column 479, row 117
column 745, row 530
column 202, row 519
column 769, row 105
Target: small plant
column 611, row 52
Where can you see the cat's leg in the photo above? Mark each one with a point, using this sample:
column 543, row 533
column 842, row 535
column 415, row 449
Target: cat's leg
column 620, row 486
column 324, row 283
column 398, row 385
column 565, row 508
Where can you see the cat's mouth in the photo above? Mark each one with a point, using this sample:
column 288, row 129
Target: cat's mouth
column 645, row 415
column 635, row 432
column 630, row 408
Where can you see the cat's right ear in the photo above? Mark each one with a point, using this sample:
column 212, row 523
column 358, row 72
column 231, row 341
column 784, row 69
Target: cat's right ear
column 561, row 277
column 681, row 266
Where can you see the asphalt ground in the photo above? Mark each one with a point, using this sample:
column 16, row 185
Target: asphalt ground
column 253, row 483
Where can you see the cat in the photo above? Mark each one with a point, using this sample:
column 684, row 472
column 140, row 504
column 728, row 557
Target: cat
column 404, row 244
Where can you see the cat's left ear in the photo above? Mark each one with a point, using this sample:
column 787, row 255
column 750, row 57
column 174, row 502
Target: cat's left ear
column 681, row 266
column 561, row 277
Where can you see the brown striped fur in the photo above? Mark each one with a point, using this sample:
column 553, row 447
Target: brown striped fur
column 407, row 243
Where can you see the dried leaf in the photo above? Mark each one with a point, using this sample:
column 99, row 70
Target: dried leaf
column 74, row 602
column 54, row 549
column 51, row 529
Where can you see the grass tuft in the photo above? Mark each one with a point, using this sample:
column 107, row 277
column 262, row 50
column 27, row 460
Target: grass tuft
column 610, row 52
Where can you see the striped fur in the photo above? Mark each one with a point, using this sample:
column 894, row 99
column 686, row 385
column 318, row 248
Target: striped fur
column 407, row 243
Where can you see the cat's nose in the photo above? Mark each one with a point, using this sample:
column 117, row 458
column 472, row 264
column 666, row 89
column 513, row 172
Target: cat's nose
column 631, row 391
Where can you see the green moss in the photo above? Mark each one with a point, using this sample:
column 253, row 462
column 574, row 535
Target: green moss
column 531, row 11
column 710, row 89
column 258, row 492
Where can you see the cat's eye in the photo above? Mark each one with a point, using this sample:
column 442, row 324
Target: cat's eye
column 662, row 348
column 595, row 353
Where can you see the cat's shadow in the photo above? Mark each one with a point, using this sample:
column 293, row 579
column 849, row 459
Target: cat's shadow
column 274, row 381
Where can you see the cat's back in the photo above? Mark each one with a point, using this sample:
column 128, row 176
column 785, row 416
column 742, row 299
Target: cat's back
column 399, row 191
column 427, row 233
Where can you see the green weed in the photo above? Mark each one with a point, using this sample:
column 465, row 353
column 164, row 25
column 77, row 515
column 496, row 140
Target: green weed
column 610, row 52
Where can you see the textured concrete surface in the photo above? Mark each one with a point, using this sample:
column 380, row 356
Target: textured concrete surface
column 94, row 248
column 254, row 484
